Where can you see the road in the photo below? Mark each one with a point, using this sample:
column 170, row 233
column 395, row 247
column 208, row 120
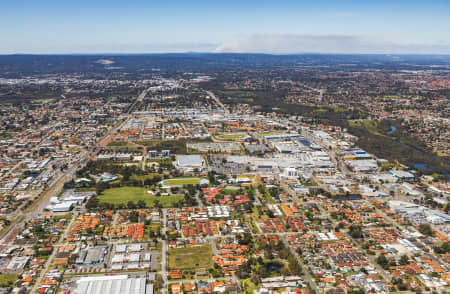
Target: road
column 196, row 281
column 164, row 252
column 44, row 271
column 66, row 232
column 299, row 260
column 52, row 256
column 213, row 245
column 199, row 201
column 218, row 102
column 38, row 206
column 11, row 170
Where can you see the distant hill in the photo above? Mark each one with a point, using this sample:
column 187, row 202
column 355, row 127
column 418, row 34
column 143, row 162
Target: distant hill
column 19, row 65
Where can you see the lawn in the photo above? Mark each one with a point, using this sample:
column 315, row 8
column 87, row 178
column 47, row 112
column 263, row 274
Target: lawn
column 181, row 181
column 232, row 136
column 151, row 228
column 250, row 287
column 362, row 122
column 7, row 280
column 370, row 125
column 125, row 194
column 42, row 101
column 120, row 144
column 402, row 96
column 64, row 216
column 270, row 133
column 164, row 161
column 238, row 93
column 191, row 257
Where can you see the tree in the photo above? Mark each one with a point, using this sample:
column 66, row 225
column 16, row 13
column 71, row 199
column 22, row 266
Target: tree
column 294, row 266
column 443, row 249
column 92, row 203
column 382, row 261
column 141, row 204
column 355, row 232
column 426, row 229
column 133, row 217
column 157, row 204
column 100, row 187
column 211, row 177
column 268, row 253
column 403, row 260
column 131, row 205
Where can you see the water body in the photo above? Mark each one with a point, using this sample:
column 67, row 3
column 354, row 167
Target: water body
column 393, row 129
column 422, row 166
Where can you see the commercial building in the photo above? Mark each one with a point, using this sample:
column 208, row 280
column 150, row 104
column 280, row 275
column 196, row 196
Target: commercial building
column 92, row 256
column 402, row 175
column 17, row 263
column 190, row 162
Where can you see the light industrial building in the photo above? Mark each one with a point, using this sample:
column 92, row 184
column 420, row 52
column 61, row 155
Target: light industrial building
column 113, row 285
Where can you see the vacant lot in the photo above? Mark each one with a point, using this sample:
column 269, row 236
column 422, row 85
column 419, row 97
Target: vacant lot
column 8, row 280
column 175, row 146
column 192, row 257
column 125, row 194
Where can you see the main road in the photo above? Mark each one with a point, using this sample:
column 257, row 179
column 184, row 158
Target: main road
column 218, row 102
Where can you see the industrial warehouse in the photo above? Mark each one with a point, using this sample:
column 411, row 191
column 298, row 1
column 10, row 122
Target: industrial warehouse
column 121, row 284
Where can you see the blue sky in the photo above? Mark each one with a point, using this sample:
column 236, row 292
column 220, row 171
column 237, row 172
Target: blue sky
column 278, row 26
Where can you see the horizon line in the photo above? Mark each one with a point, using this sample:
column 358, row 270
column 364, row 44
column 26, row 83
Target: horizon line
column 217, row 53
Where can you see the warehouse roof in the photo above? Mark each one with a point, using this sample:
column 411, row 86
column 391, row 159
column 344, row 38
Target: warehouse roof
column 189, row 160
column 111, row 284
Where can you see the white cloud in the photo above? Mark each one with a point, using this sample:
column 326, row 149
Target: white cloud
column 285, row 44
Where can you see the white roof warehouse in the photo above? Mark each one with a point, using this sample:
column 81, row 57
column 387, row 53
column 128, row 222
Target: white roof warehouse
column 113, row 285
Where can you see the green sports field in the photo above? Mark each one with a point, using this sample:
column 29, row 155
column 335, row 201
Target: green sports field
column 42, row 101
column 232, row 136
column 270, row 133
column 182, row 181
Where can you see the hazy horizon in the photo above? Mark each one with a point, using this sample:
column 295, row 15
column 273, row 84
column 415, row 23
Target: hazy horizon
column 112, row 54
